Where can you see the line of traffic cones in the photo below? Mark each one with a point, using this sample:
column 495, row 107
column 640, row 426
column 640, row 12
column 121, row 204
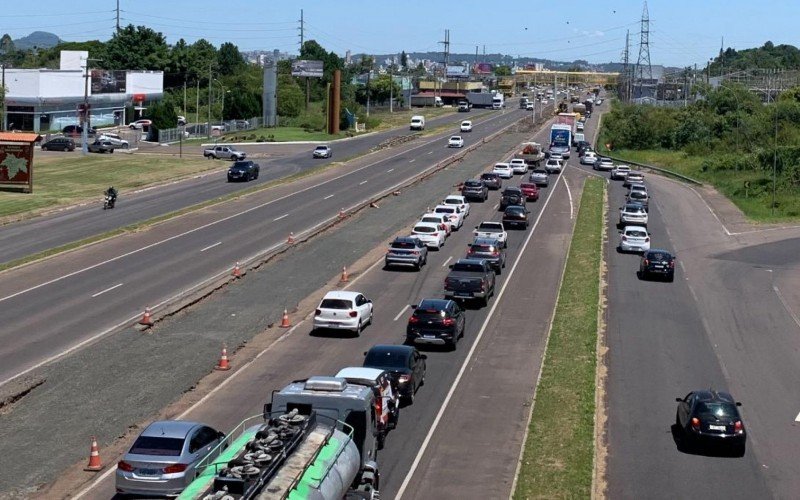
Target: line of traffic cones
column 285, row 323
column 342, row 213
column 345, row 278
column 237, row 271
column 147, row 318
column 290, row 240
column 223, row 363
column 94, row 464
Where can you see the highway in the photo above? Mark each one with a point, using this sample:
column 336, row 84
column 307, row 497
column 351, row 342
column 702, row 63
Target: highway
column 513, row 328
column 722, row 324
column 111, row 283
column 36, row 235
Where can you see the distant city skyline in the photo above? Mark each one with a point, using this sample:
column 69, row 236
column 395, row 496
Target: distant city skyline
column 681, row 33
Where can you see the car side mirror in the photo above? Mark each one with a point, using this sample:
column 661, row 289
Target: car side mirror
column 679, row 400
column 414, row 306
column 365, row 353
column 738, row 403
column 369, row 301
column 450, row 266
column 423, row 356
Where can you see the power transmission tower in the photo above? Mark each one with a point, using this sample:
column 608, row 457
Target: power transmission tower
column 117, row 16
column 625, row 62
column 644, row 71
column 446, row 43
column 302, row 28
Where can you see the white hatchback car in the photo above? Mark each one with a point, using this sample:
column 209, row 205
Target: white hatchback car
column 519, row 166
column 458, row 201
column 453, row 213
column 343, row 310
column 442, row 220
column 503, row 170
column 455, row 141
column 553, row 165
column 634, row 239
column 466, row 126
column 430, row 233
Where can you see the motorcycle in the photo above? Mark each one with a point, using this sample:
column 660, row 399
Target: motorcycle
column 109, row 201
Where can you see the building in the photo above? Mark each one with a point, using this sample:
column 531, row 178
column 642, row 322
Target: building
column 48, row 100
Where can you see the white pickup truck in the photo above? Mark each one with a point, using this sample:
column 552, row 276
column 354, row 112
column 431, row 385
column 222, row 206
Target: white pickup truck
column 224, row 152
column 491, row 229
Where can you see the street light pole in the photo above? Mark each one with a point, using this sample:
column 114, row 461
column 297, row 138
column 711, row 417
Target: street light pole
column 774, row 161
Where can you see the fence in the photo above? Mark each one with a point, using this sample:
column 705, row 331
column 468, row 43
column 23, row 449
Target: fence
column 202, row 130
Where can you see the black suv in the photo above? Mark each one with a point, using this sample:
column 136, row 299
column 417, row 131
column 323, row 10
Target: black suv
column 59, row 144
column 515, row 216
column 475, row 189
column 436, row 321
column 657, row 263
column 512, row 196
column 245, row 170
column 490, row 250
column 492, row 180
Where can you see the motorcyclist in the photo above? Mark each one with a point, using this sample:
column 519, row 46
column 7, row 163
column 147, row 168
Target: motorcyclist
column 112, row 195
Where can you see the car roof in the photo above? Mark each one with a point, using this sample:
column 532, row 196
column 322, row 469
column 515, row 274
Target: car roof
column 501, row 165
column 360, row 372
column 659, row 250
column 707, row 395
column 634, row 228
column 454, row 196
column 433, row 304
column 518, row 160
column 170, row 428
column 638, row 206
column 341, row 294
column 427, row 224
column 406, row 239
column 392, row 348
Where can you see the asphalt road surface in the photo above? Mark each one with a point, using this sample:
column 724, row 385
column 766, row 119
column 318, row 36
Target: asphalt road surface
column 515, row 332
column 723, row 324
column 28, row 237
column 70, row 299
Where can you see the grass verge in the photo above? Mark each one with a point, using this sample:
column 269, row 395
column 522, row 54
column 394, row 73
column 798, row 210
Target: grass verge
column 558, row 455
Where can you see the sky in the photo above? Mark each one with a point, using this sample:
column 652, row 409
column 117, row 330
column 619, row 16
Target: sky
column 681, row 32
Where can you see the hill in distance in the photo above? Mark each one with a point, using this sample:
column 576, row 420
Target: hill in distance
column 40, row 39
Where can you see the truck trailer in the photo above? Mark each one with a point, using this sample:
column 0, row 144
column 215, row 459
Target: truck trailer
column 421, row 101
column 480, row 99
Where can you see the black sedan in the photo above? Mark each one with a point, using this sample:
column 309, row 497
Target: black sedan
column 436, row 321
column 59, row 144
column 712, row 417
column 516, row 216
column 657, row 262
column 405, row 364
column 245, row 171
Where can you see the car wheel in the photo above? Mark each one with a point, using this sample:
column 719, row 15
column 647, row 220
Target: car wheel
column 453, row 344
column 44, row 148
column 409, row 398
column 739, row 449
column 671, row 278
column 371, row 315
column 381, row 439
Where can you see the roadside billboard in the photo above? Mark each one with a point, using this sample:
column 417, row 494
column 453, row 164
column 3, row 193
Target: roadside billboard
column 105, row 81
column 302, row 67
column 458, row 72
column 15, row 162
column 483, row 69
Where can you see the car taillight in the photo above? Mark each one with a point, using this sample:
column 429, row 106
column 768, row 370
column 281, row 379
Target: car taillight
column 672, row 264
column 449, row 322
column 624, row 238
column 647, row 239
column 738, row 427
column 404, row 378
column 415, row 252
column 317, row 312
column 646, row 262
column 495, row 253
column 353, row 314
column 124, row 466
column 174, row 468
column 413, row 320
column 379, row 406
column 695, row 423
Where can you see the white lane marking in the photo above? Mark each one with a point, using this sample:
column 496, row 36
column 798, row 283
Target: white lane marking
column 412, row 160
column 429, row 152
column 213, row 223
column 400, row 313
column 569, row 193
column 279, row 218
column 455, row 383
column 797, row 418
column 328, row 197
column 209, row 247
column 390, row 170
column 711, row 210
column 496, row 206
column 362, row 183
column 786, row 305
column 107, row 290
column 448, row 260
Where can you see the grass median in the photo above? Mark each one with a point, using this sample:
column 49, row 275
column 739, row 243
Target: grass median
column 558, row 455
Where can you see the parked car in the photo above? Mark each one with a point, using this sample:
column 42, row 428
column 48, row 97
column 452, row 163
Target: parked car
column 455, row 141
column 620, row 172
column 406, row 251
column 492, row 229
column 59, row 144
column 405, row 364
column 540, row 177
column 503, row 170
column 516, row 216
column 75, row 130
column 512, row 195
column 163, row 458
column 470, row 279
column 656, row 262
column 632, row 177
column 519, row 166
column 140, row 124
column 492, row 180
column 343, row 310
column 489, row 249
column 246, row 171
column 466, row 125
column 114, row 139
column 387, row 397
column 530, row 191
column 430, row 233
column 322, row 152
column 436, row 321
column 99, row 146
column 634, row 239
column 475, row 189
column 709, row 416
column 458, row 201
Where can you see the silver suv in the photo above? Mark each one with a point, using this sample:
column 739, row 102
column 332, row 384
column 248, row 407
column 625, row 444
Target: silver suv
column 632, row 214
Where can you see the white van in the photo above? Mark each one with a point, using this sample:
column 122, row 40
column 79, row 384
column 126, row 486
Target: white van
column 417, row 122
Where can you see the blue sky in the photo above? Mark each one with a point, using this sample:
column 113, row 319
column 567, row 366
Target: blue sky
column 682, row 32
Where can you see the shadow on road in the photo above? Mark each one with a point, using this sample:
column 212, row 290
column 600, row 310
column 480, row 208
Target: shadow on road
column 689, row 447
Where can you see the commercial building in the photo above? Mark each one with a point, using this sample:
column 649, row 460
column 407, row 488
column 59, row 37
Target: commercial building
column 44, row 100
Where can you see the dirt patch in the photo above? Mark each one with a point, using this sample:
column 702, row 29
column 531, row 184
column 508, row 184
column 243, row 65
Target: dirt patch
column 599, row 482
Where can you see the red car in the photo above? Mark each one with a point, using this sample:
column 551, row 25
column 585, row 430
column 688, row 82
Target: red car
column 530, row 191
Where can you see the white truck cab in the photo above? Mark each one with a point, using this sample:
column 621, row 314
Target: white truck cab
column 417, row 122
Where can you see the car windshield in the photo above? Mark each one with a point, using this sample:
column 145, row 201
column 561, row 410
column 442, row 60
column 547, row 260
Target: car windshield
column 445, row 210
column 383, row 359
column 430, row 218
column 489, row 176
column 468, row 267
column 636, row 233
column 472, row 184
column 527, row 186
column 482, row 248
column 515, row 210
column 658, row 256
column 452, row 201
column 638, row 194
column 321, row 149
column 424, row 229
column 403, row 244
column 490, row 226
column 540, row 172
column 155, row 445
column 241, row 164
column 718, row 410
column 635, row 209
column 336, row 304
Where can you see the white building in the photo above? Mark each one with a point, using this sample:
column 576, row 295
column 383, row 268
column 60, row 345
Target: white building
column 48, row 100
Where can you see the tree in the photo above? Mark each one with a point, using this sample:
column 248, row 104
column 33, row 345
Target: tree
column 138, row 48
column 229, row 60
column 163, row 115
column 202, row 56
column 404, row 60
column 502, row 70
column 291, row 99
column 242, row 103
column 6, row 44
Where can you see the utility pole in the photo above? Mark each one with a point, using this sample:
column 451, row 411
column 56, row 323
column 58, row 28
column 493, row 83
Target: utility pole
column 3, row 89
column 302, row 33
column 208, row 127
column 197, row 104
column 86, row 121
column 625, row 60
column 117, row 16
column 184, row 96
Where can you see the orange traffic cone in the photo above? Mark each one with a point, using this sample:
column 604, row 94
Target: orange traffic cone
column 344, row 278
column 223, row 360
column 290, row 239
column 237, row 271
column 147, row 319
column 341, row 212
column 285, row 320
column 94, row 458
